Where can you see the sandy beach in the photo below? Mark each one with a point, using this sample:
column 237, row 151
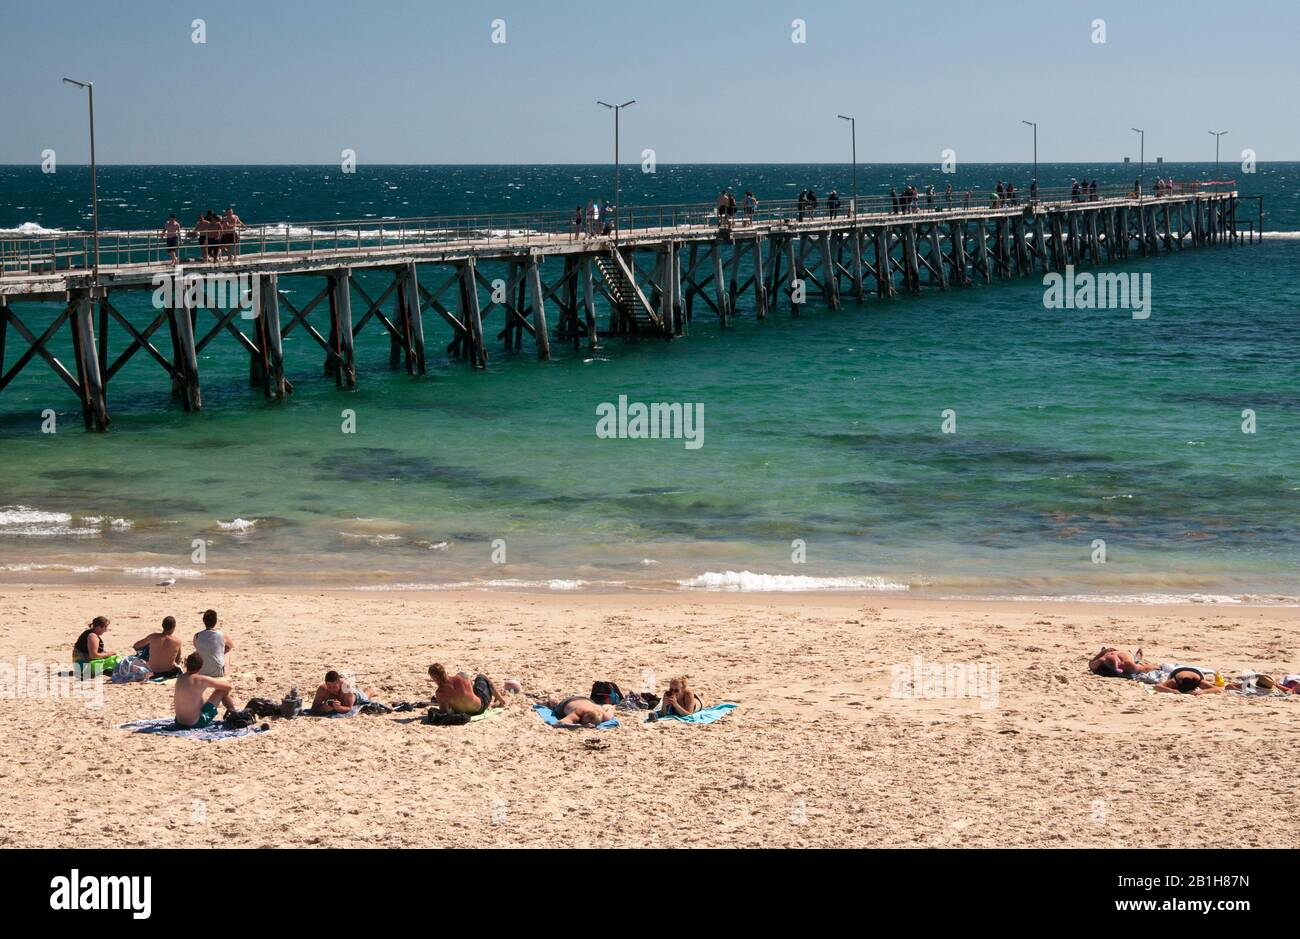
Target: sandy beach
column 828, row 747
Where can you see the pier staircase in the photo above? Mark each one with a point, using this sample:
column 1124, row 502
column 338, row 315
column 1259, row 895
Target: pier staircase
column 634, row 310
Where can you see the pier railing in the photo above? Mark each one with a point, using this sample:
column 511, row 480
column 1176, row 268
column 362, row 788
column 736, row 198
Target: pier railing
column 73, row 252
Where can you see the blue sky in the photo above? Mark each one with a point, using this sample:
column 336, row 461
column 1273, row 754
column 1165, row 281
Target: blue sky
column 420, row 81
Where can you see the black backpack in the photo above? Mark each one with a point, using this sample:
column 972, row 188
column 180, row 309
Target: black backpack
column 605, row 692
column 238, row 719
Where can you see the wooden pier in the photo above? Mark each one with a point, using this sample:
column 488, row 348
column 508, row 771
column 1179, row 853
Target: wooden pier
column 532, row 275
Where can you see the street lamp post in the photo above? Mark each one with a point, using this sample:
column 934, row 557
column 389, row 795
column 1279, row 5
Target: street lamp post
column 618, row 182
column 1216, row 134
column 94, row 192
column 853, row 125
column 1142, row 166
column 1034, row 125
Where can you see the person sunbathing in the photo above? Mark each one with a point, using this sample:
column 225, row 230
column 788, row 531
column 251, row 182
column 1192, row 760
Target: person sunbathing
column 456, row 694
column 336, row 696
column 1187, row 680
column 191, row 709
column 679, row 700
column 1256, row 682
column 90, row 644
column 577, row 711
column 1114, row 663
column 162, row 650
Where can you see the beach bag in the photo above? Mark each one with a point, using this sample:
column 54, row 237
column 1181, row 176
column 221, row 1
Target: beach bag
column 447, row 718
column 130, row 668
column 605, row 692
column 238, row 719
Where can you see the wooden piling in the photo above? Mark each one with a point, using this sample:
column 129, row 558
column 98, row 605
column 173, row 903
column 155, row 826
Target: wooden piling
column 830, row 283
column 345, row 373
column 589, row 304
column 540, row 333
column 760, row 291
column 269, row 320
column 94, row 407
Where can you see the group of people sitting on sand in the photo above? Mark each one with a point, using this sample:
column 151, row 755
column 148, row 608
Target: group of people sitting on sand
column 202, row 686
column 1185, row 679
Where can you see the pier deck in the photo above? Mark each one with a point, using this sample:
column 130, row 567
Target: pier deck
column 665, row 261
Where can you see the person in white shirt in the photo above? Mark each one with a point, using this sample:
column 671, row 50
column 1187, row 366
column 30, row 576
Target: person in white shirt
column 213, row 645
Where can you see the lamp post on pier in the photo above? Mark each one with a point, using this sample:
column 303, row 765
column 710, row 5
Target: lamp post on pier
column 1216, row 134
column 94, row 192
column 853, row 125
column 618, row 182
column 1142, row 166
column 1034, row 125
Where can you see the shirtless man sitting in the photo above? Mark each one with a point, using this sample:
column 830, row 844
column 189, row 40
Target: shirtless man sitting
column 164, row 656
column 577, row 711
column 191, row 709
column 456, row 694
column 336, row 696
column 1112, row 663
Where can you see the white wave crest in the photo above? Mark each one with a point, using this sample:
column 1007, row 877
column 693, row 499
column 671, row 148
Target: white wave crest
column 747, row 581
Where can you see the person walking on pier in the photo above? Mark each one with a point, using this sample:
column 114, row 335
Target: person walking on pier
column 929, row 199
column 731, row 209
column 947, row 194
column 1092, row 191
column 606, row 213
column 1001, row 193
column 1033, row 191
column 577, row 223
column 833, row 204
column 1074, row 190
column 751, row 206
column 172, row 234
column 721, row 210
column 593, row 216
column 803, row 203
column 893, row 201
column 1011, row 193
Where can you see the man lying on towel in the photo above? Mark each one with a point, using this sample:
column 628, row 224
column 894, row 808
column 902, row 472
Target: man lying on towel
column 1112, row 663
column 456, row 694
column 581, row 711
column 191, row 709
column 162, row 650
column 336, row 696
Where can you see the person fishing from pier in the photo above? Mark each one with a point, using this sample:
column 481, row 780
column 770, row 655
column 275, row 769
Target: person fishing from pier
column 90, row 644
column 456, row 694
column 172, row 237
column 192, row 710
column 162, row 650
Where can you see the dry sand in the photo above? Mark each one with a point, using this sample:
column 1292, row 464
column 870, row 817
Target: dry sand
column 820, row 753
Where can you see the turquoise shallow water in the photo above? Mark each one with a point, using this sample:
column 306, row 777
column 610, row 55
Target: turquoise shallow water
column 1072, row 425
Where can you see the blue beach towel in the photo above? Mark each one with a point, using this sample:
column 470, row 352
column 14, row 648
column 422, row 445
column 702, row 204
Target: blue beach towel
column 167, row 727
column 548, row 715
column 706, row 715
